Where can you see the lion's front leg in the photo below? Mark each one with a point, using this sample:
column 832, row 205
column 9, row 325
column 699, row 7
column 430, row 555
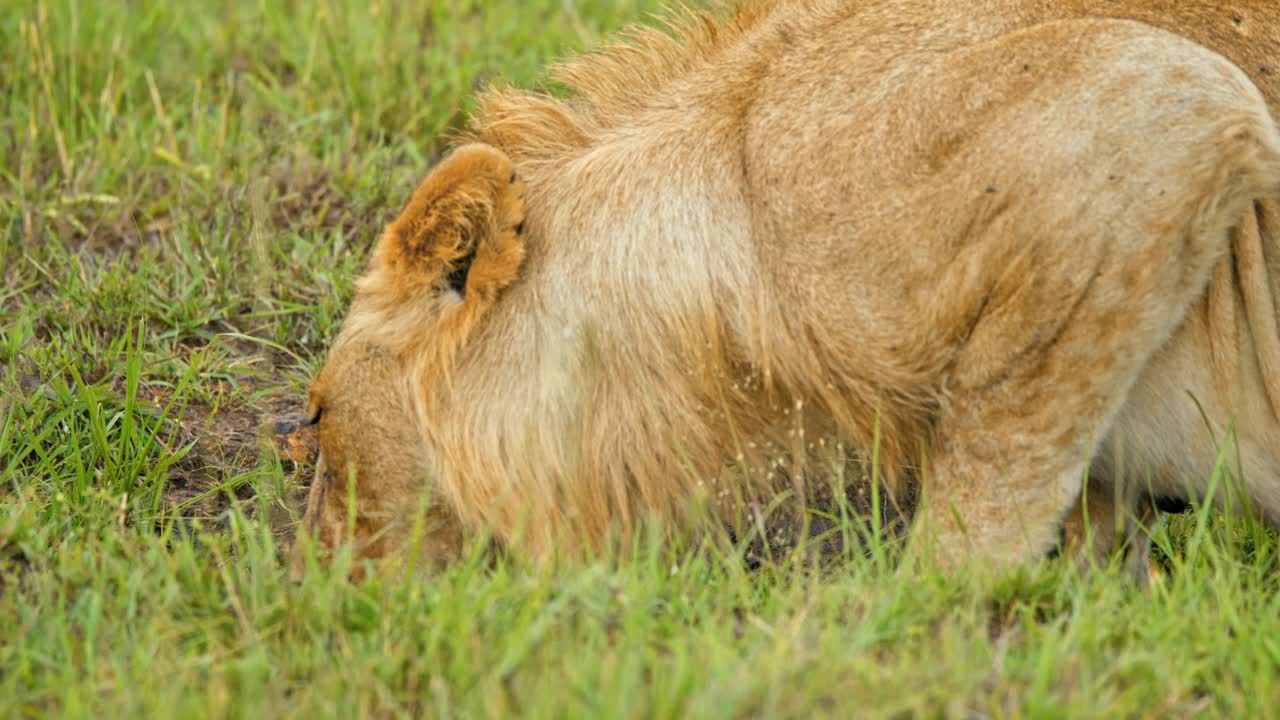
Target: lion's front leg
column 1002, row 479
column 1049, row 362
column 1008, row 471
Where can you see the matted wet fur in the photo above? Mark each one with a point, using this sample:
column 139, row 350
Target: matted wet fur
column 982, row 242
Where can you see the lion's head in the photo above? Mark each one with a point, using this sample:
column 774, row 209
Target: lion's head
column 435, row 272
column 552, row 399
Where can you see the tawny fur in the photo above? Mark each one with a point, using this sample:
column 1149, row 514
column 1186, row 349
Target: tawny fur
column 979, row 240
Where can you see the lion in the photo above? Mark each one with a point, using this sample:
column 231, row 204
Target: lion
column 987, row 245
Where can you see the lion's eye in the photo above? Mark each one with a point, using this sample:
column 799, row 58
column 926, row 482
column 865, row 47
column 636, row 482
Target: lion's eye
column 315, row 417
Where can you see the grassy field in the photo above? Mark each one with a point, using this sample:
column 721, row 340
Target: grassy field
column 186, row 193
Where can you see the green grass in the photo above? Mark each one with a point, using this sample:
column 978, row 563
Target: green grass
column 187, row 191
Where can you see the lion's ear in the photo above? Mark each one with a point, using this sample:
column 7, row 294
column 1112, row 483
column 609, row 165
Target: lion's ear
column 461, row 231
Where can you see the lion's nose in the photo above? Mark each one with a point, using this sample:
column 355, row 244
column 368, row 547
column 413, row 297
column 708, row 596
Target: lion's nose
column 296, row 438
